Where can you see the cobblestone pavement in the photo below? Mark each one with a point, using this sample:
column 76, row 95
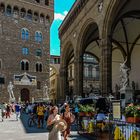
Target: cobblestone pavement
column 10, row 129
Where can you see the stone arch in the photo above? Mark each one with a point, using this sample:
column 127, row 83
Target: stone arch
column 42, row 18
column 88, row 34
column 36, row 16
column 24, row 64
column 84, row 29
column 68, row 54
column 9, row 10
column 15, row 11
column 23, row 12
column 118, row 30
column 29, row 14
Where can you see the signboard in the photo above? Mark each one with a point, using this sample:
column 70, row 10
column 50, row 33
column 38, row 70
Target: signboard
column 24, row 79
column 116, row 104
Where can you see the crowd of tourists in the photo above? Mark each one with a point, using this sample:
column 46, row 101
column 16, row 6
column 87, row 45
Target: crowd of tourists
column 7, row 109
column 56, row 119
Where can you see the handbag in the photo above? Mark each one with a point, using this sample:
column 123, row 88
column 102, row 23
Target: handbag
column 50, row 127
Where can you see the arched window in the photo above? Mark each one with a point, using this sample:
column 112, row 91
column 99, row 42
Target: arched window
column 38, row 67
column 47, row 19
column 90, row 71
column 27, row 66
column 15, row 11
column 23, row 13
column 8, row 10
column 91, row 64
column 24, row 65
column 42, row 18
column 85, row 71
column 38, row 37
column 97, row 72
column 47, row 2
column 36, row 17
column 2, row 8
column 94, row 72
column 29, row 14
column 25, row 34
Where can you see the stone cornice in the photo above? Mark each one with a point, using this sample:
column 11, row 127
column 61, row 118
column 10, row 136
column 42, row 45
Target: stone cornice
column 73, row 13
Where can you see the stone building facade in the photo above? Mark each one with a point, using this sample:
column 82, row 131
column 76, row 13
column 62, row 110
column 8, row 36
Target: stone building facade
column 107, row 29
column 25, row 47
column 55, row 85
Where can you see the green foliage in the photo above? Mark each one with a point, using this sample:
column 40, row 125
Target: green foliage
column 132, row 110
column 86, row 108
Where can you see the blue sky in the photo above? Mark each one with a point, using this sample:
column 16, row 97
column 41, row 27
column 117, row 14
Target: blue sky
column 61, row 8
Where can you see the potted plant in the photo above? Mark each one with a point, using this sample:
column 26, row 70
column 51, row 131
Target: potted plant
column 86, row 110
column 132, row 113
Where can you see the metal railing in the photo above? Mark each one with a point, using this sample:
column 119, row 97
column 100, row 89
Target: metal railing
column 109, row 129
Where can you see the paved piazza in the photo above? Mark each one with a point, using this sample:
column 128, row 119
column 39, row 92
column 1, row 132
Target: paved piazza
column 10, row 129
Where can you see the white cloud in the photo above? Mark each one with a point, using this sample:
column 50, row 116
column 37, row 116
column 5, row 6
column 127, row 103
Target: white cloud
column 60, row 16
column 65, row 13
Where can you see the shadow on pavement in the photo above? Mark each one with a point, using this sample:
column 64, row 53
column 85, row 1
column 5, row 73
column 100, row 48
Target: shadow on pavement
column 24, row 119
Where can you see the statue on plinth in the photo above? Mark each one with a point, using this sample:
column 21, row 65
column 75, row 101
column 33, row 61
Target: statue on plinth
column 45, row 91
column 10, row 91
column 124, row 74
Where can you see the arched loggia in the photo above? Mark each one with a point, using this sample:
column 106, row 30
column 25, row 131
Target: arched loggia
column 121, row 26
column 89, row 42
column 65, row 70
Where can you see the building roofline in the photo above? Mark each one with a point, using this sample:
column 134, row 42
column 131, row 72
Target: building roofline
column 72, row 14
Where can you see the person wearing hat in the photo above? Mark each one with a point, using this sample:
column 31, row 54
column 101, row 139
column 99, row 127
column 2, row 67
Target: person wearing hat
column 57, row 124
column 58, row 127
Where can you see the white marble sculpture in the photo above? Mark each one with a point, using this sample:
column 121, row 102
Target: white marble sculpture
column 10, row 91
column 124, row 74
column 45, row 91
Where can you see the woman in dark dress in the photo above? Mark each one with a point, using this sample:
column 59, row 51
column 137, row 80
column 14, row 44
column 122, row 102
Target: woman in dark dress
column 69, row 118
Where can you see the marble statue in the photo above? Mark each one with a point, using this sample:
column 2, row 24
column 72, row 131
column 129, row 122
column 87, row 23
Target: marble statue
column 45, row 90
column 124, row 74
column 10, row 90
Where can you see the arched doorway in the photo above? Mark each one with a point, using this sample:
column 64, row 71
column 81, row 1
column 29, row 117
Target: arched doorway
column 25, row 95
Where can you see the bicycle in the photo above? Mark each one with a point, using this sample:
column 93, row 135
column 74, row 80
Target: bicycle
column 32, row 121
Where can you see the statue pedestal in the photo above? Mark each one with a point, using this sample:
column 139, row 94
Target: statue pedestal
column 126, row 95
column 12, row 100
